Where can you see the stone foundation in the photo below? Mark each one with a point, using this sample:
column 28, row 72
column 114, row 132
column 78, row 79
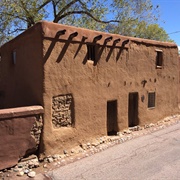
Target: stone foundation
column 37, row 129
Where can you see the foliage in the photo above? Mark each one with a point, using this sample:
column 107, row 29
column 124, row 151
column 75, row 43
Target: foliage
column 127, row 17
column 151, row 31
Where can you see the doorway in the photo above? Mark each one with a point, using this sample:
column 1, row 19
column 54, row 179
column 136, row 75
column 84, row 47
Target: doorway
column 112, row 127
column 133, row 109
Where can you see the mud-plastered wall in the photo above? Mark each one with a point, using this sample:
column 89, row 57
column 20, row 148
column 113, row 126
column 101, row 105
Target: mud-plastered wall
column 21, row 70
column 103, row 86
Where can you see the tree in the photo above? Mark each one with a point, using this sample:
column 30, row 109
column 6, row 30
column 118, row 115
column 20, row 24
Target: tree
column 116, row 16
column 151, row 31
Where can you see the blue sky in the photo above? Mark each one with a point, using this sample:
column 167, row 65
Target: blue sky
column 169, row 17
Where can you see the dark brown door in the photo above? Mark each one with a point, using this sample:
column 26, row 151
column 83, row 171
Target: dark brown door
column 112, row 118
column 133, row 109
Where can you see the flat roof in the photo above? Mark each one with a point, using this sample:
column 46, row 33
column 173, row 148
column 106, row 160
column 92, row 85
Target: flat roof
column 55, row 30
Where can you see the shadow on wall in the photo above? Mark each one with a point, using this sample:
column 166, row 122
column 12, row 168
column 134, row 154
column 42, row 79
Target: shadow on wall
column 98, row 48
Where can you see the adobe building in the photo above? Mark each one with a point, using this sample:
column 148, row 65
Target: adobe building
column 89, row 83
column 179, row 83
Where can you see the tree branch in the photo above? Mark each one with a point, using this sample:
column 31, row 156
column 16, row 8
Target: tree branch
column 64, row 9
column 30, row 19
column 44, row 4
column 56, row 20
column 54, row 8
column 83, row 5
column 16, row 30
column 18, row 17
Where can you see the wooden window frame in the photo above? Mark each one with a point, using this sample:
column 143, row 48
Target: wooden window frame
column 91, row 52
column 159, row 59
column 151, row 99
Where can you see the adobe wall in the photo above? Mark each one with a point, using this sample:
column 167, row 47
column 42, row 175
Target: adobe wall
column 21, row 82
column 20, row 131
column 79, row 91
column 179, row 83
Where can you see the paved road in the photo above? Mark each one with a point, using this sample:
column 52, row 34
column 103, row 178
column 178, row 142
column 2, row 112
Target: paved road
column 154, row 156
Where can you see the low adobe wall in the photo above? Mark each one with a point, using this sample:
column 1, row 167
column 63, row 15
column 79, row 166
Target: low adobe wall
column 20, row 131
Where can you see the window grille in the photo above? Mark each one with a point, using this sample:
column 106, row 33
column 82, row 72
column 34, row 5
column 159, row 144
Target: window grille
column 151, row 99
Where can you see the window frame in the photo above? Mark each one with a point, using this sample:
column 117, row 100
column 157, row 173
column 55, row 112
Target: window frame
column 14, row 57
column 91, row 52
column 151, row 100
column 159, row 59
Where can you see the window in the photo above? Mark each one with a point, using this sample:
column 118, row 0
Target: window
column 14, row 57
column 151, row 99
column 91, row 52
column 159, row 59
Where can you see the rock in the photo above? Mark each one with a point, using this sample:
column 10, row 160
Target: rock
column 139, row 128
column 56, row 156
column 26, row 171
column 20, row 173
column 32, row 174
column 36, row 164
column 131, row 128
column 146, row 126
column 31, row 164
column 50, row 159
column 127, row 131
column 151, row 125
column 29, row 158
column 101, row 140
column 166, row 120
column 95, row 143
column 72, row 151
column 17, row 169
column 114, row 138
column 65, row 152
column 20, row 165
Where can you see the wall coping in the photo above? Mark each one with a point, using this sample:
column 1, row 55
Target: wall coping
column 50, row 29
column 20, row 111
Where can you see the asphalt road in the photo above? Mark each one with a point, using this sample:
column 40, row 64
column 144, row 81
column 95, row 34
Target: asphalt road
column 155, row 156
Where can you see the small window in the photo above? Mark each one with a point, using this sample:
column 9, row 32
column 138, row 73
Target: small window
column 14, row 57
column 91, row 52
column 159, row 59
column 151, row 99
